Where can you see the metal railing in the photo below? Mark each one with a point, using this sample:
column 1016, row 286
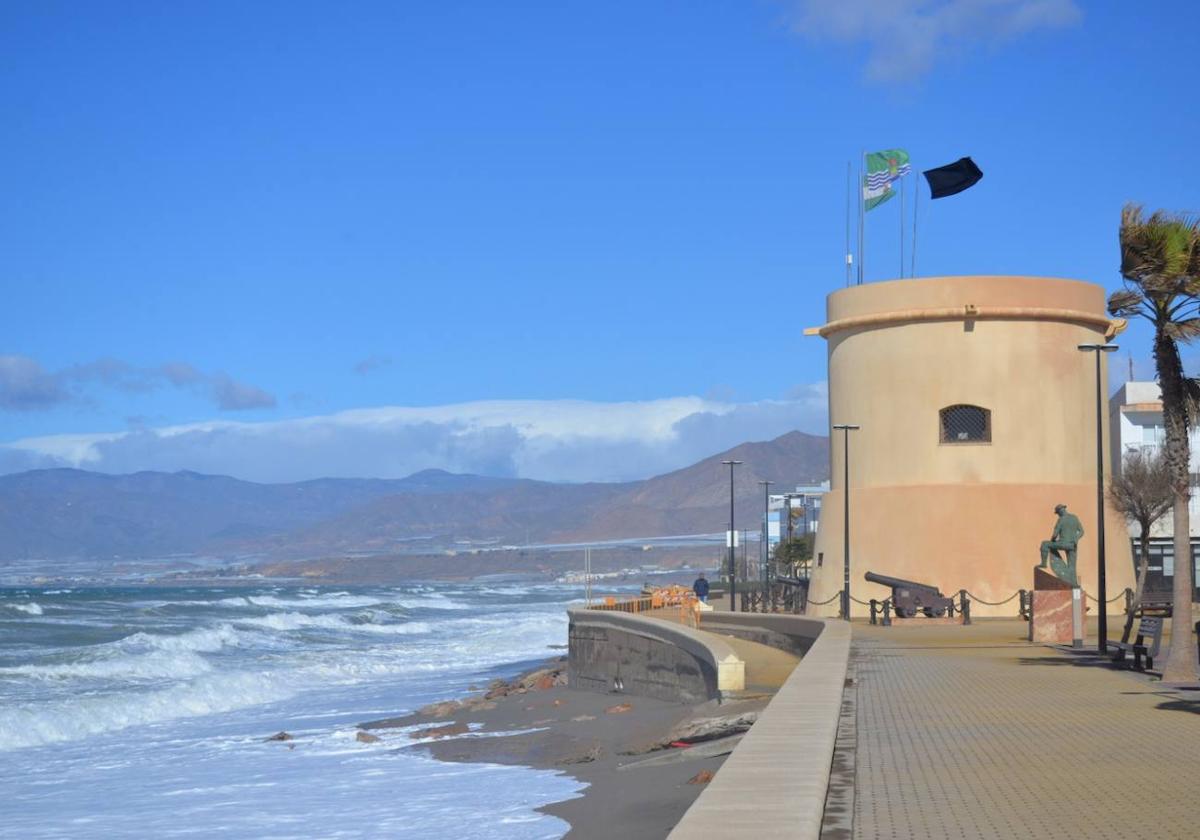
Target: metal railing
column 665, row 596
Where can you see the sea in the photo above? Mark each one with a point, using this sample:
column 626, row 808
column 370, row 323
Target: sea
column 144, row 711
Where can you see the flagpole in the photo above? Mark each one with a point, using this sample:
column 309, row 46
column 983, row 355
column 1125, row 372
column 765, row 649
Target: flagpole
column 849, row 186
column 916, row 201
column 901, row 228
column 862, row 228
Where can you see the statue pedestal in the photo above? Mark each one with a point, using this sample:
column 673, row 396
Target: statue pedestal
column 1058, row 611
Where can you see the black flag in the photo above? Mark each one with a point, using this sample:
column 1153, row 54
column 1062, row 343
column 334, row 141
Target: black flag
column 952, row 178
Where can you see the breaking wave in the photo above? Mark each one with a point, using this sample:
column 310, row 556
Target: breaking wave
column 31, row 608
column 157, row 665
column 29, row 725
column 299, row 621
column 200, row 640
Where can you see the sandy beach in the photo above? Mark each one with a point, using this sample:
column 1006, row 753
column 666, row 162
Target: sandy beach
column 639, row 783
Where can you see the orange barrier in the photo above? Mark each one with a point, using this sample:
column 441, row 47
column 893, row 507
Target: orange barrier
column 629, row 605
column 663, row 597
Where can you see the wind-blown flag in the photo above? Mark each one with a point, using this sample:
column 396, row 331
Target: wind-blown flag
column 952, row 178
column 883, row 169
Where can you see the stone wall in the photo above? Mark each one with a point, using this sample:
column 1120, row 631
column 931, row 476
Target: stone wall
column 650, row 658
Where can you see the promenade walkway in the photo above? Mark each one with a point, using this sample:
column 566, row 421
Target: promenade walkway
column 971, row 732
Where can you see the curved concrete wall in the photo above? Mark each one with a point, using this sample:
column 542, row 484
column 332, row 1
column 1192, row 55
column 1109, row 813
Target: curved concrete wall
column 651, row 658
column 774, row 783
column 792, row 633
column 963, row 515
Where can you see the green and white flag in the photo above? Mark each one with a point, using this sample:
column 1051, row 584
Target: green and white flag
column 883, row 169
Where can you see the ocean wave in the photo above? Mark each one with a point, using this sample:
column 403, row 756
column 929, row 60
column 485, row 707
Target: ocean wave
column 429, row 602
column 31, row 608
column 200, row 640
column 35, row 724
column 157, row 665
column 342, row 600
column 299, row 621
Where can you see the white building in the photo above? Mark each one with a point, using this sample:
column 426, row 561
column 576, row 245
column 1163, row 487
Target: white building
column 801, row 507
column 1135, row 416
column 1136, row 421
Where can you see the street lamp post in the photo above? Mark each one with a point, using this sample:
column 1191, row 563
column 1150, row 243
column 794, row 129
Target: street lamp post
column 845, row 429
column 729, row 539
column 766, row 547
column 1101, row 583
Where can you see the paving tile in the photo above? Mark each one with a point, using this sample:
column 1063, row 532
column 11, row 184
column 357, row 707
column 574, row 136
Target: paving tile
column 972, row 733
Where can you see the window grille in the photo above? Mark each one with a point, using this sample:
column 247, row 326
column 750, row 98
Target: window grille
column 966, row 424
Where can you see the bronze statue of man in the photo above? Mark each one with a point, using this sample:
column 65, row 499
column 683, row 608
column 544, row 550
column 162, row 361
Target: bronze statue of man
column 1067, row 533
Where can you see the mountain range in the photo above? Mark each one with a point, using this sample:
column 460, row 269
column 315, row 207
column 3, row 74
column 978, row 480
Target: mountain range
column 64, row 514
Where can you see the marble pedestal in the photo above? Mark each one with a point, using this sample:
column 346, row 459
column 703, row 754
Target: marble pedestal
column 1058, row 611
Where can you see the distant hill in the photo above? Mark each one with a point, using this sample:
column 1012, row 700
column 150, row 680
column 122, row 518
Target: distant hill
column 65, row 513
column 74, row 514
column 696, row 499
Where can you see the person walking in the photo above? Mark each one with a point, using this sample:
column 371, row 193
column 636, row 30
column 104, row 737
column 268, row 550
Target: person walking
column 700, row 587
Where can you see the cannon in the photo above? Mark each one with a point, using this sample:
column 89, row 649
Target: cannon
column 910, row 597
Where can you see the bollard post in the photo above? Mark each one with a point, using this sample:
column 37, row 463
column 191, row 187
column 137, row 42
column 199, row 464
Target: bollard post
column 873, row 605
column 887, row 612
column 966, row 606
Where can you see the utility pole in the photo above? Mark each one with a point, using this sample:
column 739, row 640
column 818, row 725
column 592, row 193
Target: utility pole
column 730, row 539
column 846, row 429
column 1101, row 583
column 765, row 569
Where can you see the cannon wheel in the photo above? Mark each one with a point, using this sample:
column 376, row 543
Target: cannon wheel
column 901, row 612
column 935, row 612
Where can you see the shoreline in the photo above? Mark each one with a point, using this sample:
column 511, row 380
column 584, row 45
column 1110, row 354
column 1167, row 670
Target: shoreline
column 637, row 785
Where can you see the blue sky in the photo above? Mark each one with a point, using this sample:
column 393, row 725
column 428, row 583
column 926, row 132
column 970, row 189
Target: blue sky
column 568, row 240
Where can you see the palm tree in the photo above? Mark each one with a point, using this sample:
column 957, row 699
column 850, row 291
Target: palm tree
column 1142, row 493
column 1160, row 262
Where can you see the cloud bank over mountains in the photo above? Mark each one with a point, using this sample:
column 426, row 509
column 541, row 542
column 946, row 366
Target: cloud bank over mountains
column 556, row 440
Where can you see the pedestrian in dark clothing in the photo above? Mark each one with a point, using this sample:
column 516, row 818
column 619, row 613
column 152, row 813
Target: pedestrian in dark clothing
column 700, row 587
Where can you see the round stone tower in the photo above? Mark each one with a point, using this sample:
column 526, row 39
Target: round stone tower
column 977, row 415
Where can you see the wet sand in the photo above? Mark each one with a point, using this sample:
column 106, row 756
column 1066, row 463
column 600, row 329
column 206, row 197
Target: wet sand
column 620, row 746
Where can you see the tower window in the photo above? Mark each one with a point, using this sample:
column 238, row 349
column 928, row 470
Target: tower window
column 966, row 424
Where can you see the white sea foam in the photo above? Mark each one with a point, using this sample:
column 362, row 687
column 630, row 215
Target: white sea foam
column 33, row 724
column 298, row 621
column 342, row 600
column 156, row 665
column 200, row 640
column 30, row 608
column 430, row 602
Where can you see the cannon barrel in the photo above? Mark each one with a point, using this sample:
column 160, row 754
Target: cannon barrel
column 896, row 583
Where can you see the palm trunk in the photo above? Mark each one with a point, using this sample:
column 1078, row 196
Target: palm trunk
column 1180, row 664
column 1143, row 567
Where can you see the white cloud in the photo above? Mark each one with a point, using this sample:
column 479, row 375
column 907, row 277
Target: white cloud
column 562, row 440
column 905, row 38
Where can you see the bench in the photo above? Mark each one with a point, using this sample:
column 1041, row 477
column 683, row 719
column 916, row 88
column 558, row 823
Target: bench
column 1160, row 607
column 1149, row 628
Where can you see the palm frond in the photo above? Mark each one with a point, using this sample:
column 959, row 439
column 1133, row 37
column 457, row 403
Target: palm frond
column 1124, row 302
column 1184, row 330
column 1191, row 399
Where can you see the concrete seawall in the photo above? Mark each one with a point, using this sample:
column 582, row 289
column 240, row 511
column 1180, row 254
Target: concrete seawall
column 650, row 658
column 774, row 783
column 791, row 633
